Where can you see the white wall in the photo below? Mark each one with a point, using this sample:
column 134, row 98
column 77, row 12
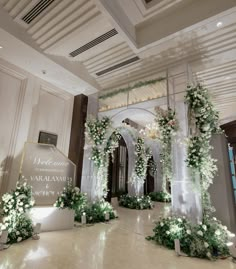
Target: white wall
column 28, row 105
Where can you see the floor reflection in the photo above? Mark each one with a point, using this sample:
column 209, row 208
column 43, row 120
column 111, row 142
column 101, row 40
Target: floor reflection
column 118, row 244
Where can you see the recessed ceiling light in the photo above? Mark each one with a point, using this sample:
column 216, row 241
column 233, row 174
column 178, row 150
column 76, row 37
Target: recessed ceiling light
column 219, row 24
column 1, row 47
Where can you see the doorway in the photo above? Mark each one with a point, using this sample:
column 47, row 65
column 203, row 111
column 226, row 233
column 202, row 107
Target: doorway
column 118, row 171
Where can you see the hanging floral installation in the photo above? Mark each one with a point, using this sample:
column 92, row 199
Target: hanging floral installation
column 103, row 139
column 14, row 207
column 205, row 123
column 209, row 238
column 143, row 155
column 168, row 127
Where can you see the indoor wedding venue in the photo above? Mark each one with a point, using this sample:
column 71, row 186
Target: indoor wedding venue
column 117, row 134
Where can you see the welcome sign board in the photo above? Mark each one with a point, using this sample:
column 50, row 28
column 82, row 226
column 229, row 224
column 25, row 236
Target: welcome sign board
column 47, row 171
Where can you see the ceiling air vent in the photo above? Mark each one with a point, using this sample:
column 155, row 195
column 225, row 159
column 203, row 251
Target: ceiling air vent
column 114, row 67
column 36, row 10
column 94, row 42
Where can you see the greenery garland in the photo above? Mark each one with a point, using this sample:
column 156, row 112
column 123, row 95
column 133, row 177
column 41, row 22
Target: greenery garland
column 130, row 88
column 206, row 121
column 168, row 127
column 143, row 155
column 135, row 202
column 14, row 207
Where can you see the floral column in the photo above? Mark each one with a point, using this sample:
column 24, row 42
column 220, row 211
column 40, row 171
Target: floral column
column 186, row 200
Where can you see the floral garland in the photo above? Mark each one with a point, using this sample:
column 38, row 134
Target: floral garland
column 206, row 121
column 96, row 136
column 130, row 88
column 14, row 205
column 71, row 198
column 168, row 127
column 141, row 163
column 209, row 239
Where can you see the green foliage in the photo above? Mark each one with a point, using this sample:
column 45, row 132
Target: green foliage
column 96, row 129
column 19, row 227
column 160, row 196
column 141, row 162
column 130, row 88
column 206, row 121
column 71, row 198
column 14, row 207
column 19, row 200
column 96, row 134
column 136, row 202
column 95, row 212
column 168, row 127
column 204, row 240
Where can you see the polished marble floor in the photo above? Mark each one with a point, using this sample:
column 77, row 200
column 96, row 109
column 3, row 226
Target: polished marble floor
column 120, row 244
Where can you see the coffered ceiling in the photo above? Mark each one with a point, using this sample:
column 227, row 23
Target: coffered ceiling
column 104, row 44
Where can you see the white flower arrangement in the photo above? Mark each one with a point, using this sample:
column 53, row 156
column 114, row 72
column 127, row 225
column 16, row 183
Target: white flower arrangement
column 71, row 198
column 204, row 240
column 14, row 206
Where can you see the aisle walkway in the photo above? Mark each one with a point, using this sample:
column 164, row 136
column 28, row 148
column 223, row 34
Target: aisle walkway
column 120, row 244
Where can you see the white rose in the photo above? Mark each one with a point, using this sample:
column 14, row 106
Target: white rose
column 206, row 245
column 167, row 232
column 162, row 224
column 204, row 227
column 19, row 239
column 217, row 232
column 200, row 233
column 179, row 220
column 188, row 232
column 17, row 232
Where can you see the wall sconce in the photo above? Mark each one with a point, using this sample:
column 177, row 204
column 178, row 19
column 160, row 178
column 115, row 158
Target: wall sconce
column 36, row 231
column 3, row 240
